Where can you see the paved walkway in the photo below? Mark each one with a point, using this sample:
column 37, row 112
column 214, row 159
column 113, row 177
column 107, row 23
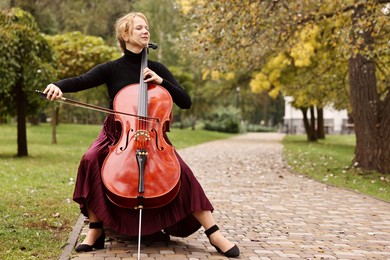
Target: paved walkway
column 270, row 212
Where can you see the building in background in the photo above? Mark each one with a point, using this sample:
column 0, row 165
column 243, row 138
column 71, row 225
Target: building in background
column 336, row 121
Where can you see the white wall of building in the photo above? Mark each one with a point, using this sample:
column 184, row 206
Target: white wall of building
column 335, row 120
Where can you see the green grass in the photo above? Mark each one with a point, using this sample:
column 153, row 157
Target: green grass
column 329, row 161
column 37, row 212
column 36, row 207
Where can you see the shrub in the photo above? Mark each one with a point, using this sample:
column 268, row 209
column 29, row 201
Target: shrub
column 224, row 120
column 259, row 128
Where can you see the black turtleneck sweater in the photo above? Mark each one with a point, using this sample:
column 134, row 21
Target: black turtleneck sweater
column 123, row 72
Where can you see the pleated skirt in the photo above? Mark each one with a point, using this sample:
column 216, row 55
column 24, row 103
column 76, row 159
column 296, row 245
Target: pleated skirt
column 175, row 218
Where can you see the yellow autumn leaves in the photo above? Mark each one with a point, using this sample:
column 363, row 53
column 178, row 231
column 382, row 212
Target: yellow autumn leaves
column 300, row 54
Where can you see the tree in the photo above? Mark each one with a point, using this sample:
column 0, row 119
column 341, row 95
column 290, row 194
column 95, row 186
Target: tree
column 91, row 17
column 76, row 54
column 370, row 102
column 309, row 72
column 25, row 64
column 358, row 31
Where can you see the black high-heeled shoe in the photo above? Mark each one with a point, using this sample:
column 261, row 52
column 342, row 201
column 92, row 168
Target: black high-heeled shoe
column 99, row 243
column 232, row 252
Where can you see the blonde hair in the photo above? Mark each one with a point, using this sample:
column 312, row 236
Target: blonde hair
column 124, row 24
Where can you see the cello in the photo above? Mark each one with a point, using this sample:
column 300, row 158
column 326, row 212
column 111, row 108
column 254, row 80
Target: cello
column 141, row 170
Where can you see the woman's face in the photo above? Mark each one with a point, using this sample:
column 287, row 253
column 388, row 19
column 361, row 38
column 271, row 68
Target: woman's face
column 138, row 37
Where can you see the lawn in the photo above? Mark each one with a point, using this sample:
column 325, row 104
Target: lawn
column 330, row 161
column 36, row 207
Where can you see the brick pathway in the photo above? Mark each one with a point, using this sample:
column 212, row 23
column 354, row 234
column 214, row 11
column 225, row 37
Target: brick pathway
column 268, row 211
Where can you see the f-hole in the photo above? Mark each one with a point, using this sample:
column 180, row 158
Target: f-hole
column 127, row 140
column 157, row 141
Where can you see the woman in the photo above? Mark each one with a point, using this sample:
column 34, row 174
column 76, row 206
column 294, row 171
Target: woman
column 190, row 209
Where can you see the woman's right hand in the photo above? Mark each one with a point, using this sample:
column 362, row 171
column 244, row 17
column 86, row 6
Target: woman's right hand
column 52, row 92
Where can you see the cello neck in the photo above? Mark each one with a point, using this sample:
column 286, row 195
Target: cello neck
column 143, row 87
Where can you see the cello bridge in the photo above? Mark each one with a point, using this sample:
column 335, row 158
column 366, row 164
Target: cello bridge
column 142, row 135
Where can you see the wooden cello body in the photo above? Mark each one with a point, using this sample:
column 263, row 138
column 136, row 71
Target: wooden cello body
column 141, row 169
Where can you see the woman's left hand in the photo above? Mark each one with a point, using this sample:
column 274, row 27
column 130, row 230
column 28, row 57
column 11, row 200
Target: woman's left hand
column 151, row 77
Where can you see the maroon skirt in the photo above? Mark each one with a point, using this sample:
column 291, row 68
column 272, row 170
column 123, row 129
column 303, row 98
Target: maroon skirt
column 175, row 219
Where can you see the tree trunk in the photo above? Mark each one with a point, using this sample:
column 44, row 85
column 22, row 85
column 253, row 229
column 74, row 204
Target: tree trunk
column 309, row 128
column 320, row 123
column 193, row 122
column 313, row 131
column 21, row 107
column 306, row 123
column 371, row 114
